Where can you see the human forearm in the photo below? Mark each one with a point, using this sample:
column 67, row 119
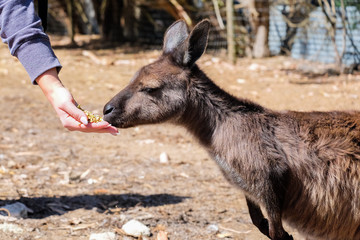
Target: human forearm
column 21, row 29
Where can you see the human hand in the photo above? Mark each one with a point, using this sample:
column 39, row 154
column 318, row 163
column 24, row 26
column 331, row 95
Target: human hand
column 65, row 106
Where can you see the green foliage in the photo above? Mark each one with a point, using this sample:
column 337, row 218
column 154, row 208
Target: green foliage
column 355, row 3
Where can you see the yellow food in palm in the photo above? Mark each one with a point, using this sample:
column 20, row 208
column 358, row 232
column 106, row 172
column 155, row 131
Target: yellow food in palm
column 91, row 117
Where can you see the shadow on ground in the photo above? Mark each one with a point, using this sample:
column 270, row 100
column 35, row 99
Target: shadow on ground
column 47, row 206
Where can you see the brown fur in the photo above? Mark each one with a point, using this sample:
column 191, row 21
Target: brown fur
column 303, row 168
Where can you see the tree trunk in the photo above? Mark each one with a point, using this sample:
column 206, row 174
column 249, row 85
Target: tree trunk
column 130, row 32
column 260, row 21
column 111, row 26
column 230, row 30
column 330, row 15
column 288, row 42
column 71, row 26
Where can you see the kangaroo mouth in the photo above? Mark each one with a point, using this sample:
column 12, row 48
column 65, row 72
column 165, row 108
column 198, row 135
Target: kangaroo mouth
column 118, row 123
column 124, row 125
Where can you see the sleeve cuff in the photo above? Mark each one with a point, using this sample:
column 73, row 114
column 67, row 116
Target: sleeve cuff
column 37, row 56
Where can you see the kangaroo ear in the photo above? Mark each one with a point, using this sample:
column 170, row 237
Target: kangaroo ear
column 175, row 35
column 197, row 42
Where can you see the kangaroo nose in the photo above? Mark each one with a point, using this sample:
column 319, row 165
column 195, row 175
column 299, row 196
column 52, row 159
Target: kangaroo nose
column 108, row 109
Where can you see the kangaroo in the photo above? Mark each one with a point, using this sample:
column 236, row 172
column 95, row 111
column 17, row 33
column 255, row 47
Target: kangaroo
column 302, row 168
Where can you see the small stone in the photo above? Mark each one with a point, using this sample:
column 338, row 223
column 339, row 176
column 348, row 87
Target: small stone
column 127, row 238
column 11, row 228
column 212, row 228
column 103, row 236
column 10, row 163
column 136, row 229
column 162, row 235
column 241, row 81
column 164, row 157
column 224, row 235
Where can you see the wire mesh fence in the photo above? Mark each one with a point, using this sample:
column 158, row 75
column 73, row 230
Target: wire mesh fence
column 317, row 30
column 302, row 30
column 314, row 36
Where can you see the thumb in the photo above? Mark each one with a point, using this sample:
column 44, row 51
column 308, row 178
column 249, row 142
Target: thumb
column 76, row 113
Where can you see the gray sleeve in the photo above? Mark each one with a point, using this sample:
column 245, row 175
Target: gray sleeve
column 21, row 29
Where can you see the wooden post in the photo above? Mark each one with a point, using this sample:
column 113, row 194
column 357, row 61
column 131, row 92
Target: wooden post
column 70, row 11
column 230, row 30
column 43, row 11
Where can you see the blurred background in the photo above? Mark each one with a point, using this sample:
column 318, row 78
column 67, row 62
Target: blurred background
column 322, row 31
column 296, row 55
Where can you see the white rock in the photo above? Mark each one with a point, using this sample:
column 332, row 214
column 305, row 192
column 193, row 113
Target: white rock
column 103, row 236
column 164, row 157
column 215, row 60
column 122, row 62
column 136, row 229
column 241, row 81
column 212, row 228
column 145, row 141
column 11, row 228
column 256, row 67
column 91, row 181
column 253, row 67
column 18, row 210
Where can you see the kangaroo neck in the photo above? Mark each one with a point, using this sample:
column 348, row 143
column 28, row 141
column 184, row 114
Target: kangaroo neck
column 208, row 106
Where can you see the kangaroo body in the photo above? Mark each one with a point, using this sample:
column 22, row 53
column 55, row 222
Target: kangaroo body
column 303, row 168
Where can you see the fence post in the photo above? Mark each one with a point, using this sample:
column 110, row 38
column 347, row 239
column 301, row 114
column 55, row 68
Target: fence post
column 230, row 30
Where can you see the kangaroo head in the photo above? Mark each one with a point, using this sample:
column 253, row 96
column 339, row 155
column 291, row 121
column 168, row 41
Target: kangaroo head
column 158, row 91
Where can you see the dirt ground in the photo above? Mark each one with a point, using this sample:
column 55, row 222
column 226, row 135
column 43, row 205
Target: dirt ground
column 77, row 184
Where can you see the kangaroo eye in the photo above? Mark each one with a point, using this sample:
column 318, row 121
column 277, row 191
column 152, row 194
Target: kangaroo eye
column 149, row 90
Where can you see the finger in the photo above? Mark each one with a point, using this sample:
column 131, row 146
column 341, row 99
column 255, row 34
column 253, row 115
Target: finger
column 110, row 130
column 98, row 125
column 75, row 113
column 83, row 128
column 73, row 125
column 94, row 127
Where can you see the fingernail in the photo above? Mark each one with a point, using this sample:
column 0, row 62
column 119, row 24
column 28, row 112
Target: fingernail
column 115, row 134
column 84, row 120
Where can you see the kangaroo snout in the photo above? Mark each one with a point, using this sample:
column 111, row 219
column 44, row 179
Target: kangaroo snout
column 109, row 114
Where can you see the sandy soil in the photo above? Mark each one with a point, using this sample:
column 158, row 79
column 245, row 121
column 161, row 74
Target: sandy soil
column 78, row 184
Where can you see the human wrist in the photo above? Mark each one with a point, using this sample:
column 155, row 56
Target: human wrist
column 49, row 81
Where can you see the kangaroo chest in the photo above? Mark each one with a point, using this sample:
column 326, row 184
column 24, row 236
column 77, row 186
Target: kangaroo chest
column 229, row 172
